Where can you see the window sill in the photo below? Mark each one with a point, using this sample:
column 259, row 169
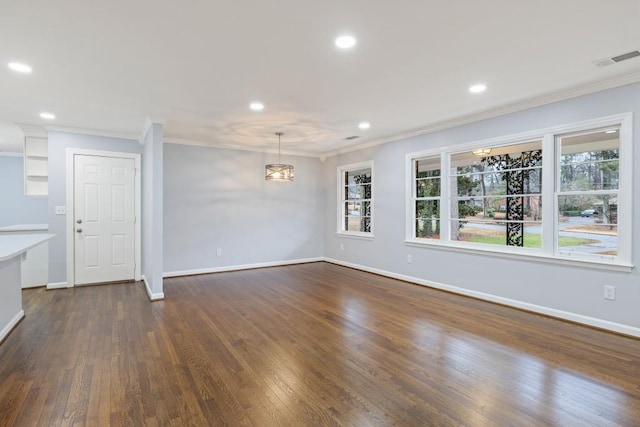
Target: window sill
column 524, row 254
column 361, row 236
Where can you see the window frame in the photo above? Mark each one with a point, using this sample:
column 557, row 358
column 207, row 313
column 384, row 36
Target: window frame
column 412, row 189
column 620, row 195
column 341, row 170
column 548, row 252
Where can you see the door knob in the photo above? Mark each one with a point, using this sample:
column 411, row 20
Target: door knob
column 79, row 221
column 79, row 230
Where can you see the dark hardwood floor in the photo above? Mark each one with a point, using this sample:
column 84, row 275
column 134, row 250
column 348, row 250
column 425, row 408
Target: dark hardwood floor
column 306, row 345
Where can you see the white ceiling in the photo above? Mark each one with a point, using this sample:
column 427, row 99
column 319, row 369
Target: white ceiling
column 108, row 65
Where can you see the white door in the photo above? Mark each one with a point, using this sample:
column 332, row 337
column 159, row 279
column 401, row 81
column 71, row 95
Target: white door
column 104, row 217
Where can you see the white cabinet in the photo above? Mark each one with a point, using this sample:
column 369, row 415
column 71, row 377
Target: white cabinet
column 34, row 264
column 36, row 175
column 11, row 249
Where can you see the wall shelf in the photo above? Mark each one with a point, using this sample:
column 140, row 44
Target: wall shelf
column 36, row 159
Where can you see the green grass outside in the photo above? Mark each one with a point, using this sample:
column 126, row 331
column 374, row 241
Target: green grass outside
column 530, row 240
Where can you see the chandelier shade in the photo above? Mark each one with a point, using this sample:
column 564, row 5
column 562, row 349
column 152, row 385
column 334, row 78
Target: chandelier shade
column 482, row 152
column 278, row 171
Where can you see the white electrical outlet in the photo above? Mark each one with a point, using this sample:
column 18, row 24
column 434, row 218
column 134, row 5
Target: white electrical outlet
column 342, row 246
column 610, row 292
column 219, row 252
column 409, row 259
column 61, row 210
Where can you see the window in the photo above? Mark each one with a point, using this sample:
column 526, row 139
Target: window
column 558, row 193
column 496, row 195
column 355, row 199
column 426, row 197
column 587, row 192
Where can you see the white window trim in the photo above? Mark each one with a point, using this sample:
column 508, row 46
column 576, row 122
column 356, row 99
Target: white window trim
column 548, row 252
column 412, row 196
column 340, row 208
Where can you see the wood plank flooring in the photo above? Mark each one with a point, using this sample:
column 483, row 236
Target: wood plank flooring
column 306, row 345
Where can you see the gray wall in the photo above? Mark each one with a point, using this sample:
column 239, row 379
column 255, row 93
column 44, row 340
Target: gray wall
column 218, row 199
column 152, row 210
column 58, row 144
column 576, row 290
column 15, row 207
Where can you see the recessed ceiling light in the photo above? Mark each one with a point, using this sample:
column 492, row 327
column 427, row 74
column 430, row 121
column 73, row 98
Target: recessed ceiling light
column 364, row 125
column 19, row 67
column 256, row 106
column 47, row 116
column 477, row 88
column 611, row 131
column 346, row 42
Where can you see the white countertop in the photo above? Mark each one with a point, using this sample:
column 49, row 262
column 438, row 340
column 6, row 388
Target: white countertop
column 25, row 227
column 14, row 244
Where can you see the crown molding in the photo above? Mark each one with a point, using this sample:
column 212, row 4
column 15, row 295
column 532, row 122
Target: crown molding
column 150, row 121
column 145, row 130
column 574, row 92
column 94, row 132
column 34, row 131
column 180, row 141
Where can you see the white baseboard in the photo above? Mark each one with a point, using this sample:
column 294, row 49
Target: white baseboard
column 552, row 312
column 240, row 267
column 12, row 324
column 152, row 297
column 32, row 286
column 57, row 285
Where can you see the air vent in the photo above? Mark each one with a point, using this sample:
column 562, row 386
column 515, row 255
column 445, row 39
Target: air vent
column 615, row 59
column 349, row 138
column 625, row 56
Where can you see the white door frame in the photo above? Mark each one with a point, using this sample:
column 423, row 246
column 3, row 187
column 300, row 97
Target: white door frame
column 71, row 152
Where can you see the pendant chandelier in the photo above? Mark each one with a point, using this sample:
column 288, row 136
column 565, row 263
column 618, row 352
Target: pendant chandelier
column 278, row 171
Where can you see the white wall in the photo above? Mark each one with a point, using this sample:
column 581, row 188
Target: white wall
column 560, row 289
column 219, row 199
column 15, row 207
column 58, row 144
column 152, row 211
